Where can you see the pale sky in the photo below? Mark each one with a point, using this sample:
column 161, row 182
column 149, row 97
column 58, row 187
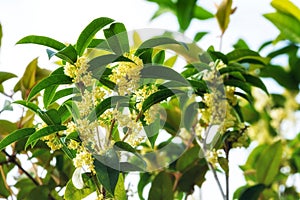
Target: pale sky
column 64, row 19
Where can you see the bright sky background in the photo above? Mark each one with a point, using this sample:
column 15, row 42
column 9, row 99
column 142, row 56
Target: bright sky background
column 64, row 19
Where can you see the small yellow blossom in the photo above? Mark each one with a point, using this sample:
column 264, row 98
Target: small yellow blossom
column 84, row 159
column 73, row 144
column 212, row 157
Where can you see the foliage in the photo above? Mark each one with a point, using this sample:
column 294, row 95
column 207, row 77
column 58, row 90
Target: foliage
column 109, row 99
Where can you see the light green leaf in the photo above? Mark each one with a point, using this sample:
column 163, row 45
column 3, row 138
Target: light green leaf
column 117, row 38
column 6, row 127
column 86, row 36
column 49, row 81
column 268, row 163
column 199, row 36
column 15, row 136
column 44, row 132
column 289, row 26
column 145, row 178
column 223, row 14
column 170, row 61
column 286, row 7
column 42, row 40
column 201, row 13
column 120, row 192
column 73, row 193
column 162, row 187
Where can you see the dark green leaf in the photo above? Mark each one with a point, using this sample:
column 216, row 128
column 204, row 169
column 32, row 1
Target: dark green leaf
column 124, row 146
column 252, row 193
column 107, row 176
column 107, row 103
column 190, row 115
column 246, row 55
column 188, row 159
column 49, row 81
column 161, row 72
column 162, row 187
column 86, row 36
column 158, row 97
column 154, row 42
column 159, row 57
column 44, row 132
column 240, row 84
column 255, row 81
column 68, row 54
column 117, row 38
column 15, row 136
column 145, row 178
column 268, row 163
column 99, row 44
column 48, row 95
column 40, row 192
column 33, row 107
column 42, row 40
column 185, row 11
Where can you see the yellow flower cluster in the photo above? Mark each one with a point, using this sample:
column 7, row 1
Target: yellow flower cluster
column 52, row 141
column 127, row 75
column 84, row 159
column 212, row 157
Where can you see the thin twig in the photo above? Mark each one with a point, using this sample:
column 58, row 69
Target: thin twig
column 217, row 180
column 12, row 159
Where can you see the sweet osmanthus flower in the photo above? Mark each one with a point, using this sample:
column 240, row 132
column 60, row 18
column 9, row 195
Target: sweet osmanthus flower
column 111, row 108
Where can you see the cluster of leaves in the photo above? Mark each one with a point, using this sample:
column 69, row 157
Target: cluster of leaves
column 263, row 169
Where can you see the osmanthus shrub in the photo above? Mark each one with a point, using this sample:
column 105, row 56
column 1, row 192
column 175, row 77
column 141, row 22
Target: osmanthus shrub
column 147, row 101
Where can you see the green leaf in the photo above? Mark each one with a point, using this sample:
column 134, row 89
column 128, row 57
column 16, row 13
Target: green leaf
column 107, row 103
column 50, row 117
column 15, row 136
column 194, row 176
column 49, row 94
column 4, row 192
column 40, row 192
column 252, row 193
column 241, row 44
column 25, row 186
column 288, row 26
column 6, row 127
column 255, row 81
column 224, row 164
column 152, row 131
column 4, row 76
column 185, row 11
column 49, row 81
column 199, row 36
column 162, row 187
column 33, row 107
column 190, row 115
column 44, row 132
column 73, row 193
column 240, row 84
column 42, row 40
column 120, row 192
column 158, row 97
column 201, row 13
column 287, row 7
column 161, row 72
column 86, row 36
column 145, row 178
column 223, row 14
column 124, row 146
column 63, row 93
column 159, row 57
column 188, row 158
column 154, row 42
column 268, row 163
column 68, row 54
column 246, row 55
column 107, row 176
column 117, row 38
